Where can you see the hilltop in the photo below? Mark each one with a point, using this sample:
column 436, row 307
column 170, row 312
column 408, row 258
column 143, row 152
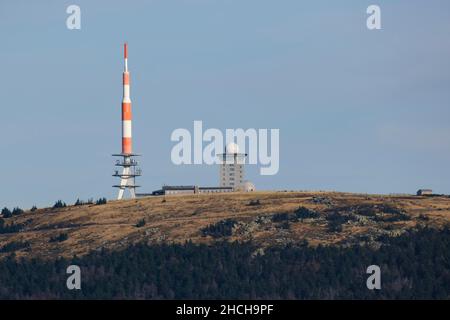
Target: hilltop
column 266, row 219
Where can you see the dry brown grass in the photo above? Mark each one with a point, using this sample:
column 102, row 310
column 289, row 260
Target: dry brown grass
column 181, row 218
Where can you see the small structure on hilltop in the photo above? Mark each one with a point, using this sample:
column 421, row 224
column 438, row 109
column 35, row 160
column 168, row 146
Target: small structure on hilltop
column 247, row 186
column 424, row 192
column 173, row 190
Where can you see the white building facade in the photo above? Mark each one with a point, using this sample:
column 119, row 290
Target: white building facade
column 232, row 167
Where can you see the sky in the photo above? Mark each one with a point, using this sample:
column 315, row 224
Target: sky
column 358, row 110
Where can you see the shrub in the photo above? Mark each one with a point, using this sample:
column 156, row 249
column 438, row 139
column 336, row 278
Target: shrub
column 390, row 209
column 305, row 213
column 101, row 201
column 254, row 202
column 366, row 210
column 59, row 204
column 11, row 228
column 304, row 243
column 285, row 225
column 14, row 246
column 223, row 228
column 16, row 211
column 337, row 218
column 59, row 238
column 394, row 218
column 280, row 217
column 6, row 213
column 335, row 221
column 140, row 223
column 334, row 226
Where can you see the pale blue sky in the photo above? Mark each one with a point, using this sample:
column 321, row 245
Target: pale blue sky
column 358, row 110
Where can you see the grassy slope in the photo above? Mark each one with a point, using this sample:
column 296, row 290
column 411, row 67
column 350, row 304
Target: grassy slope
column 180, row 218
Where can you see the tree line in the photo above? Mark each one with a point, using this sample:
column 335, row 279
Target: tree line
column 415, row 265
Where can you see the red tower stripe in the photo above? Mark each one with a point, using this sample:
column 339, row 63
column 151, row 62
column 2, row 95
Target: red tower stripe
column 126, row 78
column 126, row 111
column 126, row 145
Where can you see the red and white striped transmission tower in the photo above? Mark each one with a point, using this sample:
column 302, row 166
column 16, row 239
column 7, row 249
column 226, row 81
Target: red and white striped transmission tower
column 130, row 168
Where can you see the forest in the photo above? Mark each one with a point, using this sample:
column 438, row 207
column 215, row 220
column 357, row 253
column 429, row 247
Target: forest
column 415, row 265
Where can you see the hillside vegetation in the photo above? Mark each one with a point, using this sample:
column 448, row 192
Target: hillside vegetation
column 415, row 265
column 264, row 219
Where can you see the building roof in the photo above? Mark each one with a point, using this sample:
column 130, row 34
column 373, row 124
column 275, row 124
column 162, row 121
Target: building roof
column 215, row 188
column 178, row 187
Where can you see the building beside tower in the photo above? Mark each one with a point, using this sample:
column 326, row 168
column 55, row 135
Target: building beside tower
column 232, row 166
column 232, row 177
column 232, row 169
column 174, row 190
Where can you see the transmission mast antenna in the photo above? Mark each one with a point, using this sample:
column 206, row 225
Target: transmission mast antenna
column 129, row 167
